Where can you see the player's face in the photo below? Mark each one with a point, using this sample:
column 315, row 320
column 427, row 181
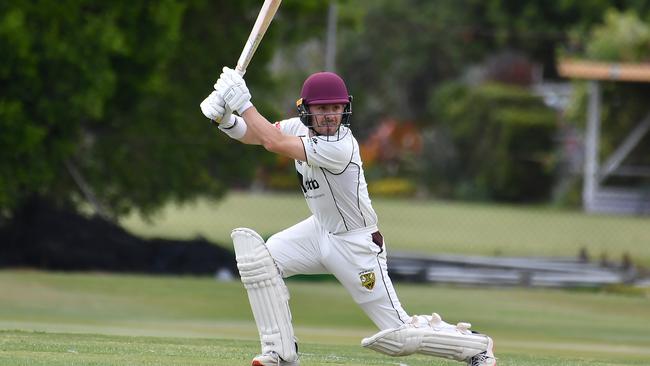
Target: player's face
column 326, row 118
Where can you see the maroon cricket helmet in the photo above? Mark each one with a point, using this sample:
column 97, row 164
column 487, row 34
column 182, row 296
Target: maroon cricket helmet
column 323, row 88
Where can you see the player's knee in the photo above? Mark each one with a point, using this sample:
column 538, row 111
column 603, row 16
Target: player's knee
column 254, row 260
column 272, row 244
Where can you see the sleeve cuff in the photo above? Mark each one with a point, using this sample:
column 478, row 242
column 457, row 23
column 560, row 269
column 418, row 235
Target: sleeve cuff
column 237, row 130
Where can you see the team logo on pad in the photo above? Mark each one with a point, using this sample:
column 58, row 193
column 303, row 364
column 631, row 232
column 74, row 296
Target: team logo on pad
column 367, row 279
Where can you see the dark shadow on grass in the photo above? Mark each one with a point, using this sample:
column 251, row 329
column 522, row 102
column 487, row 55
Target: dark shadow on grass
column 45, row 237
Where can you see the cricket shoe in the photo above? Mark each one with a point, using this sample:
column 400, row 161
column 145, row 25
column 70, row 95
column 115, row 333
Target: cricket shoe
column 485, row 358
column 272, row 359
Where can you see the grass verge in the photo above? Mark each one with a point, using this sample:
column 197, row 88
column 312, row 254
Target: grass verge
column 101, row 319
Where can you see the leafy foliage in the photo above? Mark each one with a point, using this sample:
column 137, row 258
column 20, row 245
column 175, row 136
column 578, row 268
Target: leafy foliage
column 425, row 45
column 502, row 138
column 74, row 74
column 622, row 37
column 397, row 53
column 111, row 90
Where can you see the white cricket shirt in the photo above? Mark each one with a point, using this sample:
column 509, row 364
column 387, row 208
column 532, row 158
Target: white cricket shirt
column 332, row 179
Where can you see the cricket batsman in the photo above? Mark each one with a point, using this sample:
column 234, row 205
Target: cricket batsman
column 341, row 237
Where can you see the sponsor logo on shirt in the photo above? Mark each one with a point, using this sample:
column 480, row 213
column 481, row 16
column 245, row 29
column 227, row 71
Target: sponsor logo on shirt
column 312, row 184
column 307, row 185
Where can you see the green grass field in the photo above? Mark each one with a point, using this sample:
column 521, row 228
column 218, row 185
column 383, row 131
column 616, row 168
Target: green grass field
column 423, row 226
column 101, row 319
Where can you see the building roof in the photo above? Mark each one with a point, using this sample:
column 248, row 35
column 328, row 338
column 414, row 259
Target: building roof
column 594, row 70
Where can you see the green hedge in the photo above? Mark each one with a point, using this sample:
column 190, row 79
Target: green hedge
column 502, row 137
column 392, row 187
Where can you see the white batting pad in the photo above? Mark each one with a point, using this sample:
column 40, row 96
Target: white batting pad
column 456, row 343
column 267, row 293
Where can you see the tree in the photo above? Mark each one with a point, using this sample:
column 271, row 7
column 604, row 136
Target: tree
column 110, row 90
column 399, row 52
column 72, row 69
column 502, row 138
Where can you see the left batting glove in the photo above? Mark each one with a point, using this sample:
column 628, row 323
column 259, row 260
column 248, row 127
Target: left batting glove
column 232, row 87
column 213, row 108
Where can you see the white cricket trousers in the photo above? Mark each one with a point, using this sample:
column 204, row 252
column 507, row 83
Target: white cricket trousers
column 353, row 258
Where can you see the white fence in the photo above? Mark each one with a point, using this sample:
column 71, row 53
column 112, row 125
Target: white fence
column 507, row 271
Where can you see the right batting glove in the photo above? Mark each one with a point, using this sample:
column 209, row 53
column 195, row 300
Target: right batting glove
column 232, row 87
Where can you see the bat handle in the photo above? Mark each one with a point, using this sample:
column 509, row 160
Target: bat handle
column 241, row 70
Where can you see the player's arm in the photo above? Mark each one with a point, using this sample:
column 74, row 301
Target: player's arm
column 252, row 127
column 271, row 137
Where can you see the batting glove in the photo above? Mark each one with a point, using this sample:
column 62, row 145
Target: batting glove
column 213, row 107
column 232, row 87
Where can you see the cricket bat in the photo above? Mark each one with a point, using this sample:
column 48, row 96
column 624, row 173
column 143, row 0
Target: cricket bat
column 264, row 18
